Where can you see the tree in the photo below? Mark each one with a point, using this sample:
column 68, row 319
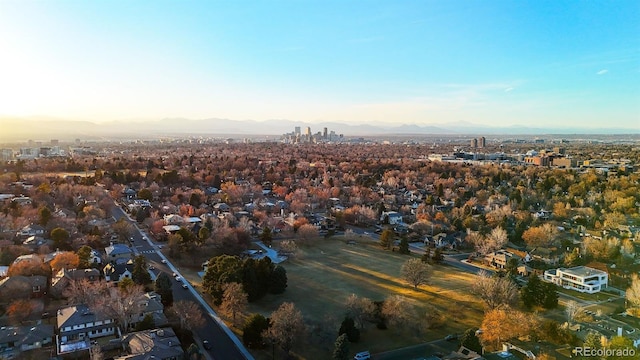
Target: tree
column 307, row 232
column 60, row 239
column 287, row 325
column 278, row 280
column 145, row 194
column 437, row 256
column 123, row 303
column 470, row 340
column 45, row 215
column 266, row 236
column 147, row 323
column 253, row 329
column 341, row 348
column 539, row 235
column 140, row 275
column 622, row 348
column 84, row 257
column 537, row 293
column 234, row 299
column 593, row 340
column 633, row 292
column 163, row 286
column 416, row 272
column 86, row 292
column 123, row 228
column 397, row 311
column 203, row 234
column 386, row 238
column 404, row 246
column 189, row 314
column 65, row 260
column 496, row 292
column 348, row 328
column 19, row 310
column 426, row 257
column 29, row 267
column 360, row 309
column 572, row 309
column 501, row 325
column 221, row 270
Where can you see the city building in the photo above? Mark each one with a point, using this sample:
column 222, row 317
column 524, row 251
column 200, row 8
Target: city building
column 580, row 278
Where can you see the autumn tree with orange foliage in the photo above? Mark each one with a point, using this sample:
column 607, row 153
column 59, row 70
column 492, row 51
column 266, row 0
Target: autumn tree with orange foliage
column 19, row 310
column 65, row 260
column 29, row 268
column 500, row 325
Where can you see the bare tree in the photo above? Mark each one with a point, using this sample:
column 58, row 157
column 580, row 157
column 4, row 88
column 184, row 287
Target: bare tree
column 234, row 299
column 496, row 292
column 572, row 309
column 398, row 311
column 287, row 325
column 416, row 272
column 498, row 238
column 307, row 232
column 289, row 246
column 86, row 292
column 360, row 309
column 189, row 314
column 123, row 304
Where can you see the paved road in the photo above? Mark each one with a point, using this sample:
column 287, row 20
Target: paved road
column 223, row 346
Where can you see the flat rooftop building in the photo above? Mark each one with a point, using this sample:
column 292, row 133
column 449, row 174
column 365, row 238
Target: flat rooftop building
column 580, row 278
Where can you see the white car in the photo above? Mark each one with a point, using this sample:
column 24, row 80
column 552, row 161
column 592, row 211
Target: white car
column 178, row 278
column 363, row 355
column 163, row 261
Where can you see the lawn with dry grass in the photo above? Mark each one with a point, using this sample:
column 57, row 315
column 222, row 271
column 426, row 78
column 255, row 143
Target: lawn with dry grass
column 324, row 274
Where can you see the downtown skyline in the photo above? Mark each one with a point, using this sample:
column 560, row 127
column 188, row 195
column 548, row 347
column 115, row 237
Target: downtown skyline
column 540, row 64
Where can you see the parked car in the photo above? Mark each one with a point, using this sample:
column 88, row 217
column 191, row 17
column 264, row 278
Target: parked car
column 363, row 355
column 451, row 337
column 184, row 286
column 206, row 344
column 163, row 261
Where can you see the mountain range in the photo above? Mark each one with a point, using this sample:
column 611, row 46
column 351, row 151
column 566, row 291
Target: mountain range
column 38, row 128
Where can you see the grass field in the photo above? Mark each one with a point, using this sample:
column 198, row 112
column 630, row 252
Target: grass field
column 324, row 274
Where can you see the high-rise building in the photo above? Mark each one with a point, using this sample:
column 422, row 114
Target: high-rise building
column 482, row 142
column 324, row 134
column 308, row 131
column 297, row 131
column 474, row 143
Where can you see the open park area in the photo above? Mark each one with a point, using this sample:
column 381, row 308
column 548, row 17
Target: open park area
column 326, row 272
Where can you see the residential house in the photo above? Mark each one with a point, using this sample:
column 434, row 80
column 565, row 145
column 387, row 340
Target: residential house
column 64, row 277
column 27, row 257
column 23, row 287
column 117, row 251
column 173, row 219
column 31, row 230
column 117, row 271
column 161, row 344
column 391, row 217
column 17, row 339
column 152, row 305
column 500, row 258
column 580, row 278
column 34, row 242
column 77, row 325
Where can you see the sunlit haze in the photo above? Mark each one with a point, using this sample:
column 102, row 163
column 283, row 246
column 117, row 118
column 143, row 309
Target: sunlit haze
column 493, row 63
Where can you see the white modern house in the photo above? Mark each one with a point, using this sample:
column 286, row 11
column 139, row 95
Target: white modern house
column 580, row 278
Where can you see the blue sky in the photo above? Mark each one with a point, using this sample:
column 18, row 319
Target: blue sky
column 496, row 63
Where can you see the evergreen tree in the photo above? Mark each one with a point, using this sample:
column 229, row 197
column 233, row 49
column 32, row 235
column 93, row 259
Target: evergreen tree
column 348, row 327
column 146, row 323
column 266, row 236
column 471, row 341
column 163, row 288
column 45, row 215
column 426, row 257
column 278, row 280
column 84, row 255
column 437, row 256
column 253, row 329
column 404, row 246
column 250, row 280
column 538, row 293
column 341, row 348
column 140, row 275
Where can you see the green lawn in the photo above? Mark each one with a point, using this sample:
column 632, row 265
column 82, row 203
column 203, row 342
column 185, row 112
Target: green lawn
column 324, row 274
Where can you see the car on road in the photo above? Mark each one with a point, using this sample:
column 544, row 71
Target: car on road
column 363, row 355
column 151, row 267
column 184, row 286
column 206, row 344
column 178, row 278
column 163, row 261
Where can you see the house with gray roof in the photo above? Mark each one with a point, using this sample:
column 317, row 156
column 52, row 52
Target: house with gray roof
column 64, row 277
column 78, row 324
column 161, row 344
column 23, row 287
column 18, row 339
column 117, row 251
column 117, row 271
